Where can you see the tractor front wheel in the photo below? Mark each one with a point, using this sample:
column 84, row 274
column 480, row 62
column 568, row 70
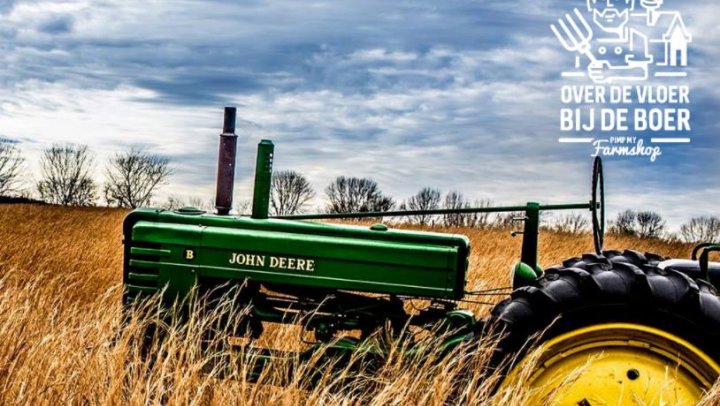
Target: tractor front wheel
column 610, row 329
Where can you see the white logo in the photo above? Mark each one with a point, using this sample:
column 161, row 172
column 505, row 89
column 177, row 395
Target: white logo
column 624, row 44
column 618, row 46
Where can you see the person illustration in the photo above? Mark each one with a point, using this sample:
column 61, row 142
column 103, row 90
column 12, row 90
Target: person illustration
column 616, row 51
column 621, row 52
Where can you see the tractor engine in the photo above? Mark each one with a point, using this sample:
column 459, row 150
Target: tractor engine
column 306, row 262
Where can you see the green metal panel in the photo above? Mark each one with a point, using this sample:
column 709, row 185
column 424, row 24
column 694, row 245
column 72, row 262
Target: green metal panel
column 524, row 275
column 329, row 262
column 263, row 179
column 296, row 253
column 156, row 258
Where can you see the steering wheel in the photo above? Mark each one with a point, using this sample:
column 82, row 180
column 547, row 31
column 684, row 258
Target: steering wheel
column 598, row 205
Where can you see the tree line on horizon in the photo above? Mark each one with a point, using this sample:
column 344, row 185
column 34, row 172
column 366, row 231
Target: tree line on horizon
column 132, row 177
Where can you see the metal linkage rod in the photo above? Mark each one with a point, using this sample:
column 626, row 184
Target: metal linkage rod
column 501, row 209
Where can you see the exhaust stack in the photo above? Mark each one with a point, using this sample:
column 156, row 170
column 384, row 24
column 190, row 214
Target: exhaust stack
column 226, row 163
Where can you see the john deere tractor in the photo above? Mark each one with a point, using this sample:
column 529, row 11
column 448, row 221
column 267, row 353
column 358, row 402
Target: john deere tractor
column 639, row 327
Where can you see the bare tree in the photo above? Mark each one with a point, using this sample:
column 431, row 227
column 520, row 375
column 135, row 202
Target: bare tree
column 650, row 224
column 356, row 195
column 625, row 223
column 701, row 229
column 201, row 203
column 508, row 220
column 572, row 223
column 425, row 199
column 290, row 193
column 243, row 206
column 10, row 163
column 454, row 200
column 174, row 203
column 132, row 177
column 480, row 220
column 672, row 238
column 177, row 202
column 66, row 176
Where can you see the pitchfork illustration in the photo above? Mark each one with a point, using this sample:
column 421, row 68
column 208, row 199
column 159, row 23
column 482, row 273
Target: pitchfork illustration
column 577, row 36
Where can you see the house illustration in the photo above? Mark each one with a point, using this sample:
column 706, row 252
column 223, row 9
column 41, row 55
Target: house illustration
column 673, row 33
column 676, row 40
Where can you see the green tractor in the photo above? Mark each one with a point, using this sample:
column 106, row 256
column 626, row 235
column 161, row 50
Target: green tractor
column 640, row 327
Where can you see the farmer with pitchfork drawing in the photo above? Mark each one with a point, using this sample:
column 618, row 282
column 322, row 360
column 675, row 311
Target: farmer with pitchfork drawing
column 618, row 52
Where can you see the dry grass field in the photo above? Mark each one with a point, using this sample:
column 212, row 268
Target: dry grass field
column 60, row 314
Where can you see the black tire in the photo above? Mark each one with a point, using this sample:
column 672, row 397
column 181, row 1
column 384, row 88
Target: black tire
column 610, row 288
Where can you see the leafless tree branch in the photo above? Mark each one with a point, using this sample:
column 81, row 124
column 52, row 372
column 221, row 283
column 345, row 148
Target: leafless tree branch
column 425, row 199
column 10, row 164
column 66, row 176
column 701, row 229
column 290, row 193
column 133, row 176
column 356, row 195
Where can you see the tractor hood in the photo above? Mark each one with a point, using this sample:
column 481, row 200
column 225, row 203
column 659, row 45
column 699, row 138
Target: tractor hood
column 177, row 249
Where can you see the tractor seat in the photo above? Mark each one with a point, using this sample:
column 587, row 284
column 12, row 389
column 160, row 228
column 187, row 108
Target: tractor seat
column 689, row 267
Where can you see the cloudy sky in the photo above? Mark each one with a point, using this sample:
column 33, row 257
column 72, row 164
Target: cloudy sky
column 458, row 95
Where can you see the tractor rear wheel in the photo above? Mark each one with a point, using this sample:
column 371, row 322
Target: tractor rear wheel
column 610, row 329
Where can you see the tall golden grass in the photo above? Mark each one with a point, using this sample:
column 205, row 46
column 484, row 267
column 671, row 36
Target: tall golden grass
column 62, row 341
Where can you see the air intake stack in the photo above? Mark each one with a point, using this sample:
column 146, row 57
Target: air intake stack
column 263, row 179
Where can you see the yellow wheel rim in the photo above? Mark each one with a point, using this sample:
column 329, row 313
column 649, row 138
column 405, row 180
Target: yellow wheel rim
column 615, row 364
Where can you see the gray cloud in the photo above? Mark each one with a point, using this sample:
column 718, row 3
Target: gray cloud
column 57, row 25
column 457, row 95
column 6, row 5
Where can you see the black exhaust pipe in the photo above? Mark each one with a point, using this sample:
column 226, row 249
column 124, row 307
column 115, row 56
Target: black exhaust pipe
column 226, row 163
